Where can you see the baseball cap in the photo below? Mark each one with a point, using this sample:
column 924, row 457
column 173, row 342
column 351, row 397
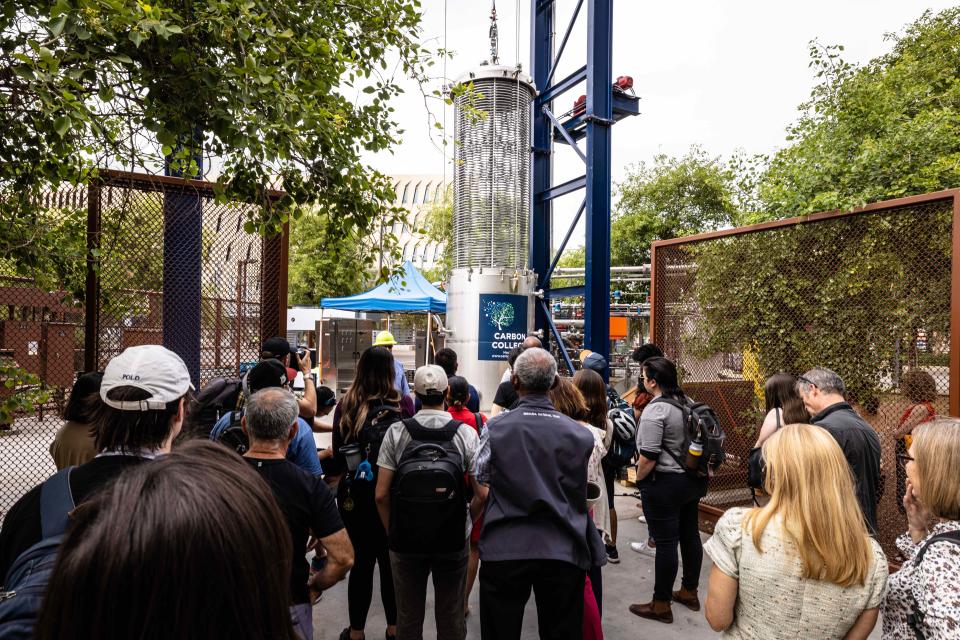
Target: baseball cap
column 429, row 379
column 275, row 347
column 150, row 368
column 384, row 339
column 596, row 362
column 269, row 373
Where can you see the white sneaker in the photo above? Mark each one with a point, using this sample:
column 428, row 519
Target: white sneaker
column 642, row 547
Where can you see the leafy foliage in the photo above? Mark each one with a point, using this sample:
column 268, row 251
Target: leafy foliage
column 324, row 264
column 439, row 228
column 21, row 391
column 840, row 293
column 283, row 93
column 888, row 129
column 671, row 198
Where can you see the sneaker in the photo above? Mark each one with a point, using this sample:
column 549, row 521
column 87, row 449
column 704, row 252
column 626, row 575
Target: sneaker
column 644, row 548
column 612, row 556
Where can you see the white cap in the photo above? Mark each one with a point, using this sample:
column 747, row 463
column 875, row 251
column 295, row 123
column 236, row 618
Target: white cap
column 150, row 367
column 430, row 378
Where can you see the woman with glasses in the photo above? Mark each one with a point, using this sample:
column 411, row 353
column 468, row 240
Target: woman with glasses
column 803, row 565
column 923, row 599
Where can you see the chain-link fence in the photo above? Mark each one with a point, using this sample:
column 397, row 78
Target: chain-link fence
column 867, row 294
column 143, row 235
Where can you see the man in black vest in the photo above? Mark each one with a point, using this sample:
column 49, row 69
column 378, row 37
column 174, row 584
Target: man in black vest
column 823, row 394
column 537, row 534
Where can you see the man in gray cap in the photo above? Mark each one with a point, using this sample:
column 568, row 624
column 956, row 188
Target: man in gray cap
column 421, row 497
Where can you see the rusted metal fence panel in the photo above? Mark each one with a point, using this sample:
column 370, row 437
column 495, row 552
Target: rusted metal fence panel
column 871, row 294
column 115, row 300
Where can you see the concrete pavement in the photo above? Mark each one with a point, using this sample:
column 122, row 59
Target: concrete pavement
column 623, row 584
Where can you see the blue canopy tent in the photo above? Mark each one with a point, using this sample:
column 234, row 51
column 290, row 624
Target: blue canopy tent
column 407, row 292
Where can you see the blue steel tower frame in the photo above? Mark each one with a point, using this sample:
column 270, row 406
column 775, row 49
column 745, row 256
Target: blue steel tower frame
column 603, row 108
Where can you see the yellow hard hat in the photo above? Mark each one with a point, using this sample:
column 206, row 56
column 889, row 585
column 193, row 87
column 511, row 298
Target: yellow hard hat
column 384, row 339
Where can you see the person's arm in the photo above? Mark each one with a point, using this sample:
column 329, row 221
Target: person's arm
column 339, row 561
column 768, row 427
column 917, row 415
column 303, row 450
column 721, row 600
column 479, row 502
column 864, row 625
column 645, row 465
column 320, row 427
column 384, row 480
column 308, row 403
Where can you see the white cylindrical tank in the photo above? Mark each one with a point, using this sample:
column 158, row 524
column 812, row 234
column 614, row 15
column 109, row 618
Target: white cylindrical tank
column 489, row 312
column 490, row 301
column 491, row 174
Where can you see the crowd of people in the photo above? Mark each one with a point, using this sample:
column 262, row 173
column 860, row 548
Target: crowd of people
column 156, row 528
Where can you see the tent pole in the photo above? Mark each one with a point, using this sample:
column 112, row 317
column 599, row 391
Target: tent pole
column 426, row 356
column 320, row 352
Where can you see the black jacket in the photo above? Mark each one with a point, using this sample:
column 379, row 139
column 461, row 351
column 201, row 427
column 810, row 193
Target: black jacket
column 861, row 447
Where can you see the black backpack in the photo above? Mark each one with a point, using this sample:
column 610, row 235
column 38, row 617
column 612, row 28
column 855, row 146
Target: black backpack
column 379, row 419
column 26, row 582
column 219, row 396
column 700, row 424
column 233, row 436
column 428, row 508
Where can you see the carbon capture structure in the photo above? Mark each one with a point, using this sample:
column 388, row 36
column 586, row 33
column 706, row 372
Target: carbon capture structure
column 506, row 130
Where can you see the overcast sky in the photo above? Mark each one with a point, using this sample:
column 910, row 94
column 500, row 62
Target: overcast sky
column 724, row 74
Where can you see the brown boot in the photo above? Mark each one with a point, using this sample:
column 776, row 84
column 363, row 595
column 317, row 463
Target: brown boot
column 688, row 598
column 658, row 610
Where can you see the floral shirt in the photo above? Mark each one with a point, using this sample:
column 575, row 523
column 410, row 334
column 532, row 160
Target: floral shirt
column 934, row 586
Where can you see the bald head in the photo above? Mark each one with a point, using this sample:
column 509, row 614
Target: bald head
column 535, row 371
column 532, row 342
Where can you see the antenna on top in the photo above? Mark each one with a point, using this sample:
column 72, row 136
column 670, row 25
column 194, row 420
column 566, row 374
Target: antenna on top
column 494, row 36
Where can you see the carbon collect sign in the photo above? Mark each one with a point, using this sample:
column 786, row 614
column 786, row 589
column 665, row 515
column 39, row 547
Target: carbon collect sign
column 503, row 325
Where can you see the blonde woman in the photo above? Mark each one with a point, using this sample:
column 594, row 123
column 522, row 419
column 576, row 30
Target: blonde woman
column 924, row 596
column 803, row 566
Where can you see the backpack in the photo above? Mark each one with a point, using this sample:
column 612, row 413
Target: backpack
column 915, row 617
column 700, row 424
column 379, row 419
column 26, row 582
column 233, row 436
column 623, row 445
column 219, row 396
column 428, row 508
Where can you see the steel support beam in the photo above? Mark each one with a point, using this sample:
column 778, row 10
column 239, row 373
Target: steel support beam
column 599, row 115
column 561, row 189
column 549, row 94
column 541, row 59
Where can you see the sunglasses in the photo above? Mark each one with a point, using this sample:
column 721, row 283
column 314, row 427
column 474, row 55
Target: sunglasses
column 806, row 381
column 904, row 458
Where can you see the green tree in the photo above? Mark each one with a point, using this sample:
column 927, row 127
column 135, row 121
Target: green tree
column 324, row 264
column 670, row 198
column 285, row 94
column 439, row 228
column 883, row 130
